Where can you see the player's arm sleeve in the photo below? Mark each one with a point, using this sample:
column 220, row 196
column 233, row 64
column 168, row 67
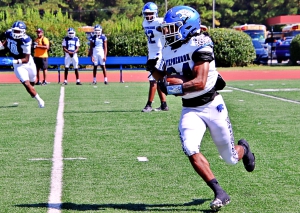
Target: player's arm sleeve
column 203, row 54
column 26, row 46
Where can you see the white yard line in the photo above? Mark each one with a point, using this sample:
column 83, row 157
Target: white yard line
column 268, row 96
column 54, row 200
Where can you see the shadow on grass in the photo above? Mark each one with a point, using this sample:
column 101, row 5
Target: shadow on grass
column 11, row 106
column 128, row 206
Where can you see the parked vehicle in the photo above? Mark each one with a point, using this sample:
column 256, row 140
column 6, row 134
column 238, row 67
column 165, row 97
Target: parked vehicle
column 271, row 42
column 261, row 53
column 283, row 50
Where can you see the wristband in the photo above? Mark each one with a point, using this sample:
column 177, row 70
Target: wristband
column 176, row 89
column 19, row 61
column 15, row 61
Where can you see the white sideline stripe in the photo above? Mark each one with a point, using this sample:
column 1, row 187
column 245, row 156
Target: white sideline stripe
column 268, row 96
column 54, row 200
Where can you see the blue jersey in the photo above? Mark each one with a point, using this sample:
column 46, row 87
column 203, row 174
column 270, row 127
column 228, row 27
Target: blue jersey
column 71, row 44
column 18, row 47
column 98, row 41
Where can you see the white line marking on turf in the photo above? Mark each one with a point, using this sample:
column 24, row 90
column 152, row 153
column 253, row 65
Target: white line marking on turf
column 54, row 199
column 264, row 95
column 225, row 90
column 277, row 90
column 38, row 159
column 142, row 159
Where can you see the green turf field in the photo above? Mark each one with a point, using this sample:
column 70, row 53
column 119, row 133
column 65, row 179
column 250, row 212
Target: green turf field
column 104, row 131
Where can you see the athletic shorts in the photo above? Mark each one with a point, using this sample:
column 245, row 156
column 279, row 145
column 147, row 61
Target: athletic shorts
column 41, row 63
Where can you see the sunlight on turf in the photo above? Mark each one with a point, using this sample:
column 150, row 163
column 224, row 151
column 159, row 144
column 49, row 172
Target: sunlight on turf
column 105, row 130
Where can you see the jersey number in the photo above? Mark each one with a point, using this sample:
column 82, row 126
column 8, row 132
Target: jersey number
column 186, row 70
column 150, row 36
column 13, row 49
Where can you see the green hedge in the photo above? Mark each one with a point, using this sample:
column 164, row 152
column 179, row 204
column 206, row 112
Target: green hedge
column 125, row 37
column 232, row 48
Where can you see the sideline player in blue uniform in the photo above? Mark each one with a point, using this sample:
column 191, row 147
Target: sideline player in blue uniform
column 19, row 46
column 189, row 52
column 71, row 47
column 98, row 52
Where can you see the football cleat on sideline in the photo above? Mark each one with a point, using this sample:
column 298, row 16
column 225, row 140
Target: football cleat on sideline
column 162, row 109
column 219, row 201
column 249, row 158
column 147, row 109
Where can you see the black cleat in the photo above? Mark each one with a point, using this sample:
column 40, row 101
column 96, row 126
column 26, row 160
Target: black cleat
column 44, row 83
column 65, row 83
column 38, row 83
column 78, row 83
column 249, row 158
column 105, row 82
column 162, row 109
column 219, row 201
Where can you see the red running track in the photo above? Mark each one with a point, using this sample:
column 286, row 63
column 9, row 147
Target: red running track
column 142, row 76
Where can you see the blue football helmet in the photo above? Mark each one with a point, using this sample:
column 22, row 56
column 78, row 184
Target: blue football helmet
column 150, row 11
column 97, row 30
column 18, row 29
column 71, row 32
column 179, row 23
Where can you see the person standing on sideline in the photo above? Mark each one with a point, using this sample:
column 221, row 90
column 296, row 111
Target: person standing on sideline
column 150, row 24
column 41, row 47
column 71, row 47
column 19, row 46
column 202, row 106
column 98, row 52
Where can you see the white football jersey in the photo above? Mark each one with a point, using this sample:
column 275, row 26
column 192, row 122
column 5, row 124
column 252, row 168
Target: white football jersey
column 155, row 41
column 179, row 61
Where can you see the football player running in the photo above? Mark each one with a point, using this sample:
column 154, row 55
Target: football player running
column 70, row 46
column 19, row 46
column 98, row 52
column 155, row 45
column 189, row 52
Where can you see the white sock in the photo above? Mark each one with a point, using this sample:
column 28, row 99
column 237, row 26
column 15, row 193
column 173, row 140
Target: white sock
column 66, row 81
column 105, row 79
column 77, row 80
column 95, row 79
column 37, row 97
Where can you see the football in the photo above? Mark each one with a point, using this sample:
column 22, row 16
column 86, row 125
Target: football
column 176, row 79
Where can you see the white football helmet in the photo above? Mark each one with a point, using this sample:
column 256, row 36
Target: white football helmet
column 71, row 32
column 98, row 30
column 150, row 11
column 18, row 30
